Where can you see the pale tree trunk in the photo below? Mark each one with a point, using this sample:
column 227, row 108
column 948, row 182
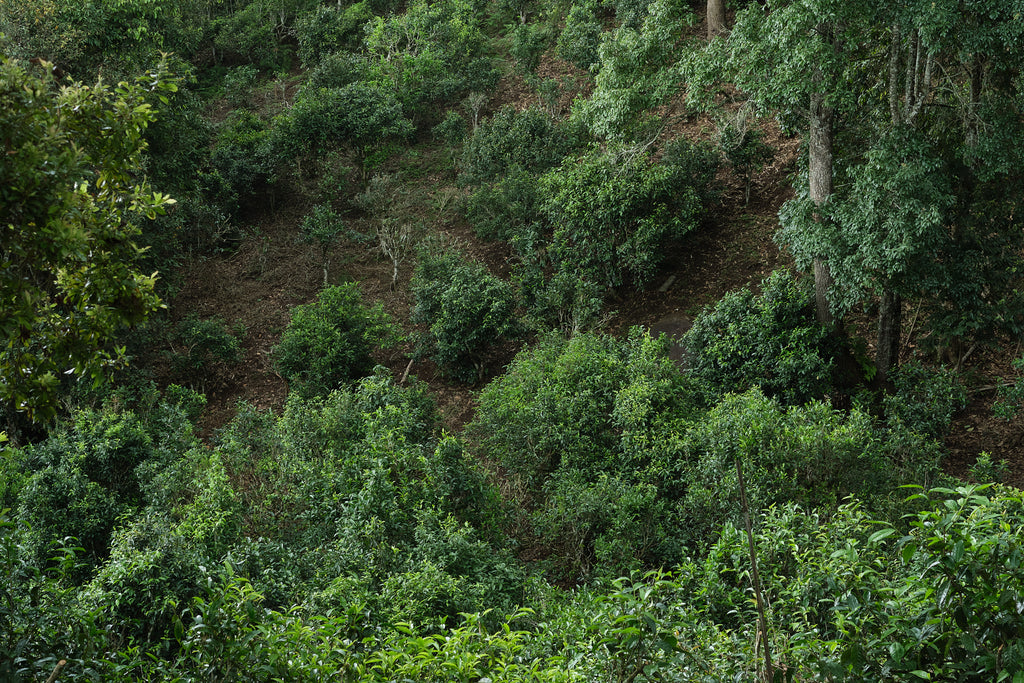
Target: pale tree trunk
column 820, row 179
column 716, row 18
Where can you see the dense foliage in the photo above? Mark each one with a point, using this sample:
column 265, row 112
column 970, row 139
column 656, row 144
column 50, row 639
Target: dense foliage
column 466, row 309
column 328, row 342
column 69, row 212
column 770, row 340
column 758, row 509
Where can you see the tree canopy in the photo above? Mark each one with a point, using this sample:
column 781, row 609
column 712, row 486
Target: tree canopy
column 71, row 198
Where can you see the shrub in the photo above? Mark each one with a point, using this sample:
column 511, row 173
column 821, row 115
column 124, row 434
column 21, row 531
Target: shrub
column 769, row 340
column 431, row 53
column 630, row 13
column 809, row 454
column 608, row 527
column 924, row 399
column 1011, row 397
column 238, row 84
column 451, row 131
column 242, row 157
column 328, row 342
column 202, row 347
column 528, row 42
column 466, row 308
column 322, row 227
column 528, row 140
column 83, row 478
column 610, row 214
column 589, row 403
column 359, row 116
column 337, row 70
column 588, row 430
column 249, row 34
column 330, row 30
column 507, row 209
column 581, row 37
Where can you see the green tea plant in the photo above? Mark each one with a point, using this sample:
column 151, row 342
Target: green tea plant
column 360, row 117
column 769, row 340
column 924, row 400
column 466, row 308
column 527, row 140
column 202, row 348
column 579, row 41
column 242, row 158
column 328, row 342
column 330, row 30
column 610, row 213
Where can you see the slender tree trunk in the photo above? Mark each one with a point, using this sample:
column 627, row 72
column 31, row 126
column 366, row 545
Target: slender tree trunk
column 716, row 18
column 820, row 178
column 13, row 429
column 890, row 323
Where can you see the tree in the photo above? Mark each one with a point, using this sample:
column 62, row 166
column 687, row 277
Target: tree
column 927, row 205
column 716, row 18
column 805, row 59
column 71, row 196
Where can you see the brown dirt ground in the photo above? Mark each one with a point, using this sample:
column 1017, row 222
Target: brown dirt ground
column 271, row 272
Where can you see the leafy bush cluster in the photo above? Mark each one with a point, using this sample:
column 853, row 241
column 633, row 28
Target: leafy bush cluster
column 579, row 225
column 466, row 308
column 346, row 504
column 847, row 596
column 328, row 342
column 610, row 214
column 627, row 465
column 201, row 347
column 513, row 140
column 350, row 538
column 770, row 340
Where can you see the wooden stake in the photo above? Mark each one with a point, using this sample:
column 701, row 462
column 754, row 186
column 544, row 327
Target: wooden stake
column 56, row 671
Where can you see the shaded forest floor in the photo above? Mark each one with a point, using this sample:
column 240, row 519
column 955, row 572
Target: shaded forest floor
column 271, row 272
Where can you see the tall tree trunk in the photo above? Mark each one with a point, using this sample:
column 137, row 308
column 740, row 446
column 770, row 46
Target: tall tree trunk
column 890, row 322
column 820, row 178
column 716, row 18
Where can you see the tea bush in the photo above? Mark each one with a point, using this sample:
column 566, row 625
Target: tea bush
column 527, row 140
column 201, row 348
column 528, row 43
column 242, row 158
column 328, row 342
column 577, row 404
column 81, row 480
column 431, row 53
column 809, row 454
column 769, row 340
column 466, row 308
column 611, row 214
column 924, row 400
column 250, row 35
column 507, row 209
column 359, row 116
column 337, row 70
column 329, row 31
column 239, row 83
column 581, row 37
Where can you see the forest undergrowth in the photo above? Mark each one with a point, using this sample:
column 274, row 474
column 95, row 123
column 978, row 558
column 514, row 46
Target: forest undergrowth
column 331, row 350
